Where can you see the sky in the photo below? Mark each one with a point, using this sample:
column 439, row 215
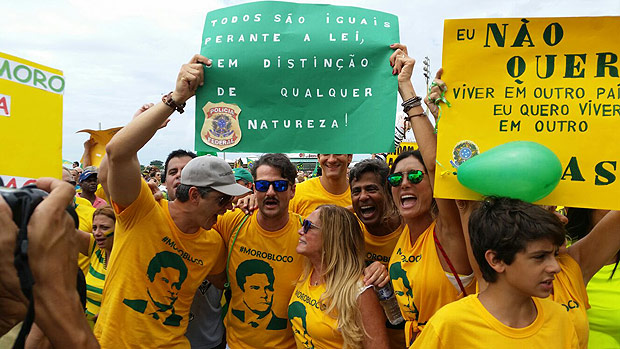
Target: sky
column 118, row 55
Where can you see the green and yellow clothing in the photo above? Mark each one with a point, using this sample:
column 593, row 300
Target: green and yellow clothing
column 310, row 194
column 380, row 248
column 312, row 326
column 84, row 209
column 467, row 324
column 604, row 314
column 153, row 276
column 261, row 272
column 570, row 291
column 420, row 283
column 95, row 280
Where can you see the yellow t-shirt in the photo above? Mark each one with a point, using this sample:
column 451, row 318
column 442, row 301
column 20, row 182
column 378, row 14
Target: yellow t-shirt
column 153, row 276
column 380, row 248
column 420, row 283
column 604, row 315
column 467, row 324
column 101, row 193
column 310, row 194
column 570, row 291
column 313, row 328
column 262, row 270
column 95, row 280
column 84, row 209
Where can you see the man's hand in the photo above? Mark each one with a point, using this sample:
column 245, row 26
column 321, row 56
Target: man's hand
column 190, row 77
column 52, row 255
column 247, row 204
column 376, row 274
column 13, row 303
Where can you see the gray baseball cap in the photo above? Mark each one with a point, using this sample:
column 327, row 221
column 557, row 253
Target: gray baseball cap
column 210, row 171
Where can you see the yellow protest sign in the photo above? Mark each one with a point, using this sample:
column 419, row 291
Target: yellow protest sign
column 553, row 81
column 30, row 119
column 404, row 146
column 101, row 138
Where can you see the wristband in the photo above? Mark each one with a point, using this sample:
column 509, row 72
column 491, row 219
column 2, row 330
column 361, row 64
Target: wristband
column 167, row 99
column 411, row 103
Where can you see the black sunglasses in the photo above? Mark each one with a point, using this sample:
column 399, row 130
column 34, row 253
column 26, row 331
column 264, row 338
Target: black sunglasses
column 279, row 185
column 413, row 176
column 224, row 200
column 306, row 225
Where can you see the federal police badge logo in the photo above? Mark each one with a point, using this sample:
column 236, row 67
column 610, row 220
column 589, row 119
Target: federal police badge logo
column 463, row 150
column 221, row 126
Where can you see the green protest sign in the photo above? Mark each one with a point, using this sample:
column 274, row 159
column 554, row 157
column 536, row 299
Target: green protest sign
column 290, row 77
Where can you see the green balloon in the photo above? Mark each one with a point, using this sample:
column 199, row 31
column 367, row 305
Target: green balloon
column 520, row 170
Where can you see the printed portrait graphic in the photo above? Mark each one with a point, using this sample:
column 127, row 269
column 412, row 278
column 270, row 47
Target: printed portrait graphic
column 255, row 278
column 166, row 273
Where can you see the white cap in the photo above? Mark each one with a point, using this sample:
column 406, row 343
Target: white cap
column 213, row 172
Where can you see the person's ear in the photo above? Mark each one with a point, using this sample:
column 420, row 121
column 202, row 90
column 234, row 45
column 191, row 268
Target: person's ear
column 194, row 194
column 292, row 191
column 498, row 265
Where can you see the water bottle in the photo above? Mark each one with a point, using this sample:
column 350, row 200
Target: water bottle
column 388, row 301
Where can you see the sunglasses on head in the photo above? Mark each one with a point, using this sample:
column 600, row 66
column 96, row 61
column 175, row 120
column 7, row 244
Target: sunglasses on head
column 263, row 186
column 306, row 224
column 413, row 176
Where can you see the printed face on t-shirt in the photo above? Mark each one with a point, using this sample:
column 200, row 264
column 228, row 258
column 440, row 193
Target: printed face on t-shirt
column 258, row 294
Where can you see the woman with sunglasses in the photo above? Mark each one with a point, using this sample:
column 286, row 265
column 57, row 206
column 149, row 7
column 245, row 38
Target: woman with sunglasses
column 331, row 307
column 98, row 247
column 429, row 266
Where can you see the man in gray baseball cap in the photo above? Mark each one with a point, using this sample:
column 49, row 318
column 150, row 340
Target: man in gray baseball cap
column 164, row 250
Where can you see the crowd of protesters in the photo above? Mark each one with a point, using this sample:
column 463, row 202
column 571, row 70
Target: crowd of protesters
column 199, row 254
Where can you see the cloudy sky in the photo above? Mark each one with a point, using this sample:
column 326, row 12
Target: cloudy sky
column 117, row 55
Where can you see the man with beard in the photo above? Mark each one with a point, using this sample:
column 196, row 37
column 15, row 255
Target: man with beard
column 269, row 237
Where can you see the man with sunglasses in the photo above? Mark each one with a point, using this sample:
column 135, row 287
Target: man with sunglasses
column 266, row 237
column 148, row 230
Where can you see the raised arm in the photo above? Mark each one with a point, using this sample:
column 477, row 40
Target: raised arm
column 123, row 178
column 596, row 248
column 449, row 228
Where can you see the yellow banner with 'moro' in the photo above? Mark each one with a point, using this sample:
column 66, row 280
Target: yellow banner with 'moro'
column 553, row 81
column 30, row 119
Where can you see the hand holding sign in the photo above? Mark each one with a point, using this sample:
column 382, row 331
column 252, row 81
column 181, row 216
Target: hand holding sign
column 190, row 77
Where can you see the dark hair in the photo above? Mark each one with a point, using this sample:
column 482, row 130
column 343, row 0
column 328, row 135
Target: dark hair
column 415, row 154
column 506, row 226
column 279, row 161
column 179, row 153
column 251, row 267
column 182, row 191
column 167, row 259
column 378, row 167
column 580, row 224
column 381, row 170
column 410, row 153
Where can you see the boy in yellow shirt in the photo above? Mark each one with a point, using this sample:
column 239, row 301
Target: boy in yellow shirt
column 515, row 245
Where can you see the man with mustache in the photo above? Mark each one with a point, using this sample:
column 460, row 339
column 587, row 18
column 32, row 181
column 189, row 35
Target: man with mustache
column 264, row 238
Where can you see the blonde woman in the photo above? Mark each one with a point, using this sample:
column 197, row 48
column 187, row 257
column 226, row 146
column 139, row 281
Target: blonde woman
column 330, row 307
